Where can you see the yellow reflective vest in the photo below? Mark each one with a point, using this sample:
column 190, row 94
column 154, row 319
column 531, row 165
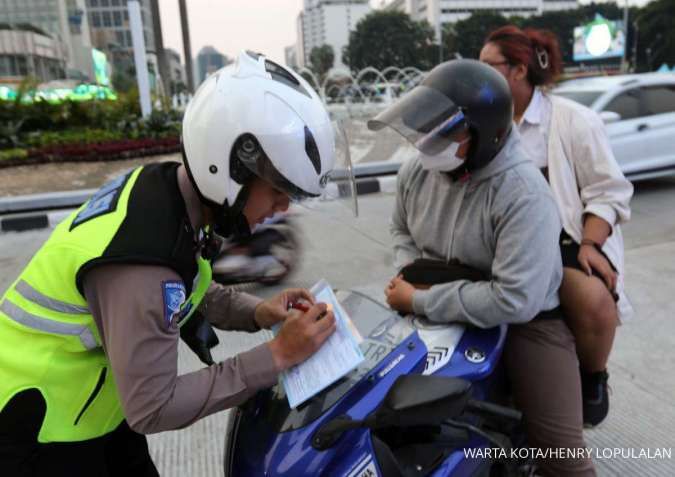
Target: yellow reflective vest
column 48, row 338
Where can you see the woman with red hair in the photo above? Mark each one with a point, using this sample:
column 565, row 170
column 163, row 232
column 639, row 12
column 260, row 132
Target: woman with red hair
column 568, row 142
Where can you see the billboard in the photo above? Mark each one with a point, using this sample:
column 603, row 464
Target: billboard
column 100, row 67
column 599, row 39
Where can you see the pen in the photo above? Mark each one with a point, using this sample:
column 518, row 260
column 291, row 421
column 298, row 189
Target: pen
column 296, row 305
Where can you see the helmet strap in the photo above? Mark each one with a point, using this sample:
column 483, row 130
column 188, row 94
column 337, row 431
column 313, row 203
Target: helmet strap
column 230, row 221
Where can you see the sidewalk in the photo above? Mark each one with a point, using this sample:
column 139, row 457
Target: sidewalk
column 356, row 253
column 40, row 178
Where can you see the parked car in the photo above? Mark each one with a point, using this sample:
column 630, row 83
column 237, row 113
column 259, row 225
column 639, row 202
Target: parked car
column 639, row 111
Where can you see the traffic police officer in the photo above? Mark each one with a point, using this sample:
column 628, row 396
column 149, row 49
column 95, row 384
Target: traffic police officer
column 89, row 330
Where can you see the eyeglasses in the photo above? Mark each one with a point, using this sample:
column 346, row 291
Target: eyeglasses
column 497, row 63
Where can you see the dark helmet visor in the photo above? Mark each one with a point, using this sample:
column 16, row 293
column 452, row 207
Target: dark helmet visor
column 251, row 155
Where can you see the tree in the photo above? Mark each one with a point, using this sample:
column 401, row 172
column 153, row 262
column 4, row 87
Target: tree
column 469, row 35
column 656, row 34
column 389, row 38
column 321, row 59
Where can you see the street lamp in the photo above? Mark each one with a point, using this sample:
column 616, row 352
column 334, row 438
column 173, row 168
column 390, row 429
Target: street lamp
column 187, row 50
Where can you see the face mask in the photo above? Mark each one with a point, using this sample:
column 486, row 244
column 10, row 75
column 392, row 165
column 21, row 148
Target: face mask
column 445, row 161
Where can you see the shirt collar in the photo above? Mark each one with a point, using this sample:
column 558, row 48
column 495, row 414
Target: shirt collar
column 191, row 199
column 533, row 113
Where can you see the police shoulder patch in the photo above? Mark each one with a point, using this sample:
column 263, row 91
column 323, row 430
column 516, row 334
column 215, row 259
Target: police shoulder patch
column 102, row 202
column 174, row 294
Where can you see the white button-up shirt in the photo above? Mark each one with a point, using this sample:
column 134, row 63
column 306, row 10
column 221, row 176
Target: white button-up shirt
column 534, row 129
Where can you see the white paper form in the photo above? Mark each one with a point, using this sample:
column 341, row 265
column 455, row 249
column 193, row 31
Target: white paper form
column 337, row 356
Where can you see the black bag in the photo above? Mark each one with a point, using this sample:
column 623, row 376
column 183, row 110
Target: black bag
column 425, row 272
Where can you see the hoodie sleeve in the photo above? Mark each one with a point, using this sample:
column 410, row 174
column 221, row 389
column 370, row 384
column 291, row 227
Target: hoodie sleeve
column 526, row 270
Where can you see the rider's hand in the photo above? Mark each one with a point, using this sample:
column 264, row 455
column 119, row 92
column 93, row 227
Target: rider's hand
column 400, row 295
column 590, row 259
column 301, row 334
column 275, row 309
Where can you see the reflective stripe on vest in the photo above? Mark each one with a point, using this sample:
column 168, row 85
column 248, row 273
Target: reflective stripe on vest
column 31, row 294
column 48, row 326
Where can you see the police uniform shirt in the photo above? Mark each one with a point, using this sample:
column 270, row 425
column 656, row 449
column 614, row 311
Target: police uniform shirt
column 140, row 337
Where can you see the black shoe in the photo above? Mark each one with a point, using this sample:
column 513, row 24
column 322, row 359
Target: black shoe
column 595, row 397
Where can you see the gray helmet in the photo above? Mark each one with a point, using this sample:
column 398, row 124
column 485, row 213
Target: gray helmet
column 455, row 96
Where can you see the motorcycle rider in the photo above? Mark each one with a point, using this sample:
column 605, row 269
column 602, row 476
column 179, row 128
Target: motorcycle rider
column 89, row 330
column 473, row 197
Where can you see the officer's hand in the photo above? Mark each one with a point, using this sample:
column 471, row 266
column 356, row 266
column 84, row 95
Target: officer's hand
column 275, row 309
column 399, row 295
column 301, row 335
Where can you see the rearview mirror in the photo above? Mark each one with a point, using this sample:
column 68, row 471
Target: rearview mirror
column 609, row 117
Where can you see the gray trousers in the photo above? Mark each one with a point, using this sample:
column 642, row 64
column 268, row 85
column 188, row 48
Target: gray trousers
column 543, row 371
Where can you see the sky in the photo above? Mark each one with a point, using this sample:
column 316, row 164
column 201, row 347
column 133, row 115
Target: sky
column 264, row 26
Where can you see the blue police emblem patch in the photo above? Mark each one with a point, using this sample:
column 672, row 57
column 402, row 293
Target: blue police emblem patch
column 102, row 202
column 174, row 295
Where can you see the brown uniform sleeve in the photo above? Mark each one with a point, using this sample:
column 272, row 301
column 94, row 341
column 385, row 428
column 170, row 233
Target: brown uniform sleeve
column 127, row 302
column 228, row 309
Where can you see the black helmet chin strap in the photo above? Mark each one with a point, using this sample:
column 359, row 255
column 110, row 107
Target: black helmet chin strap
column 231, row 221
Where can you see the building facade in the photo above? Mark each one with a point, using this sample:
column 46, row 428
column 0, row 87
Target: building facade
column 28, row 51
column 327, row 22
column 291, row 56
column 64, row 21
column 111, row 33
column 177, row 77
column 209, row 60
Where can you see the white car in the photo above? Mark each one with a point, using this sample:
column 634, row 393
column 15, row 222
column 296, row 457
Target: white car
column 639, row 112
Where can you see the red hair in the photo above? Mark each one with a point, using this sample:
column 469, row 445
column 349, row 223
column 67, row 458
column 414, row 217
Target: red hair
column 537, row 49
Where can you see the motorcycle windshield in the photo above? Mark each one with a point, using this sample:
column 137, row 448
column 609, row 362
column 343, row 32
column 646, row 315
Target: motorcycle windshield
column 341, row 188
column 383, row 330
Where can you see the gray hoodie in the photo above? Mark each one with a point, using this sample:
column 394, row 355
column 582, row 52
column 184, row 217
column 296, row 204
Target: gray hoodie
column 502, row 221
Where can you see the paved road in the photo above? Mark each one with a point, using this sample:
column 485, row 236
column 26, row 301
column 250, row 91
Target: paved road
column 355, row 253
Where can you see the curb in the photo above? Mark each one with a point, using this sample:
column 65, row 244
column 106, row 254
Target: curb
column 46, row 201
column 373, row 185
column 367, row 175
column 33, row 221
column 39, row 211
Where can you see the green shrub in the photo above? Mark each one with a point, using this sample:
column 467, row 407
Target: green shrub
column 13, row 154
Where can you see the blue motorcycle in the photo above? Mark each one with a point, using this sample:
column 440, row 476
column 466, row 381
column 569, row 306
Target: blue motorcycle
column 419, row 405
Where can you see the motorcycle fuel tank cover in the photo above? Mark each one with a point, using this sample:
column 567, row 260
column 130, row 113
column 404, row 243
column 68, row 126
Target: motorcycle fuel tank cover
column 441, row 339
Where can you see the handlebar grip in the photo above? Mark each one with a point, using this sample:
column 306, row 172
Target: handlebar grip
column 494, row 409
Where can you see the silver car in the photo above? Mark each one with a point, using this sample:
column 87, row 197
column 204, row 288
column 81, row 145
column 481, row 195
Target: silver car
column 639, row 112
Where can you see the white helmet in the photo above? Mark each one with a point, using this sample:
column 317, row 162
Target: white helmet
column 255, row 117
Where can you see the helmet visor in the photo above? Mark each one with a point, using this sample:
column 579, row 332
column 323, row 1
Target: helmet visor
column 428, row 119
column 336, row 183
column 254, row 159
